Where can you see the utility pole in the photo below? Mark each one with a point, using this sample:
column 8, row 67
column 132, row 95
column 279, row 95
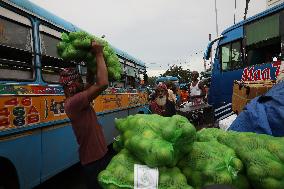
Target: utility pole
column 235, row 11
column 246, row 10
column 216, row 15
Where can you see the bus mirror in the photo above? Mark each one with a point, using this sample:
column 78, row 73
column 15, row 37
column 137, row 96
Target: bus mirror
column 207, row 52
column 209, row 47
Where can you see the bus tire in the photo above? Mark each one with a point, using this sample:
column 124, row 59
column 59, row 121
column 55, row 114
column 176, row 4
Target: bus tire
column 8, row 175
column 140, row 112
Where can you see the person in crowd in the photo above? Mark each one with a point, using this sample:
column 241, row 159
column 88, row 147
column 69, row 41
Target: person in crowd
column 171, row 95
column 196, row 89
column 184, row 96
column 175, row 92
column 161, row 104
column 78, row 107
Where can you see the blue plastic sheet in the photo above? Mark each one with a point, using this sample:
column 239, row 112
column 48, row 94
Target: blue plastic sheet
column 264, row 114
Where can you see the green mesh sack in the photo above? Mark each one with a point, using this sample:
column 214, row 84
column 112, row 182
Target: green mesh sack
column 119, row 174
column 206, row 135
column 76, row 46
column 117, row 144
column 262, row 156
column 156, row 140
column 212, row 163
column 172, row 178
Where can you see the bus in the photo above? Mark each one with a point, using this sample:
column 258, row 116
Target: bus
column 247, row 51
column 36, row 137
column 166, row 79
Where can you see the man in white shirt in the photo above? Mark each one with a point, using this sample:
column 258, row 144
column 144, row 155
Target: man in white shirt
column 197, row 90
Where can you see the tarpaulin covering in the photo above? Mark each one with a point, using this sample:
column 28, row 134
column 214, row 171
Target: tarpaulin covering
column 264, row 114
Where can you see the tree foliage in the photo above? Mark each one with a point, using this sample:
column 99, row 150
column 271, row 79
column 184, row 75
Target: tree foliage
column 152, row 80
column 177, row 71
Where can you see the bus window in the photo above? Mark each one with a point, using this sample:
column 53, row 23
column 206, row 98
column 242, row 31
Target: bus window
column 236, row 59
column 263, row 40
column 50, row 61
column 83, row 71
column 225, row 50
column 16, row 58
column 231, row 56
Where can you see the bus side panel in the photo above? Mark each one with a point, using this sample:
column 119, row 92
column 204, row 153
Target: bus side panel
column 24, row 151
column 135, row 110
column 59, row 149
column 107, row 122
column 214, row 96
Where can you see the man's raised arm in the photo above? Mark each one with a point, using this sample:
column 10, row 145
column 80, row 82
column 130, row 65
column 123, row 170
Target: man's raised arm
column 95, row 89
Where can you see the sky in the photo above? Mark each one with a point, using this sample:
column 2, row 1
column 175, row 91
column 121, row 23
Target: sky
column 161, row 33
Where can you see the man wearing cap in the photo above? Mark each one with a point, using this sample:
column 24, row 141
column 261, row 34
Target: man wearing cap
column 161, row 104
column 78, row 107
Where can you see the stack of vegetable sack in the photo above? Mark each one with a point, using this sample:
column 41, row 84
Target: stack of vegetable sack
column 120, row 174
column 76, row 46
column 261, row 155
column 155, row 141
column 213, row 163
column 242, row 160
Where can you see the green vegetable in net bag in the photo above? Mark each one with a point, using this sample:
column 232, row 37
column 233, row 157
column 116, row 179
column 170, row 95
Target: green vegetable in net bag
column 76, row 46
column 212, row 163
column 262, row 155
column 156, row 140
column 209, row 134
column 119, row 174
column 117, row 144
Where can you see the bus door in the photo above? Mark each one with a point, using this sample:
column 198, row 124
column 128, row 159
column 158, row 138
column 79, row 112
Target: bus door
column 227, row 68
column 59, row 146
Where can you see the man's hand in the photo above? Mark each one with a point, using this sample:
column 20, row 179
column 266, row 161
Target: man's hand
column 97, row 48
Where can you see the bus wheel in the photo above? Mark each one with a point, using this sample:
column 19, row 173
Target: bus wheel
column 8, row 175
column 140, row 112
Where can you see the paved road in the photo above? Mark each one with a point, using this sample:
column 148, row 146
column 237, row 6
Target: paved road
column 72, row 178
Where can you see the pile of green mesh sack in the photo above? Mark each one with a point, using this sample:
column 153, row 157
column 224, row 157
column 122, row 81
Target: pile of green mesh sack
column 207, row 157
column 213, row 163
column 76, row 46
column 262, row 155
column 119, row 174
column 156, row 140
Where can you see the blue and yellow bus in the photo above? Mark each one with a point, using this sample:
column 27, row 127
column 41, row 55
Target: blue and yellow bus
column 249, row 51
column 166, row 79
column 36, row 138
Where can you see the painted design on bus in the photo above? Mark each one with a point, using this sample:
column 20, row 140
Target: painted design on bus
column 109, row 99
column 24, row 111
column 57, row 107
column 27, row 90
column 45, row 90
column 252, row 74
column 135, row 99
column 18, row 112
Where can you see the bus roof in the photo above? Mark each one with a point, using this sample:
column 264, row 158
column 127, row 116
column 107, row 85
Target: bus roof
column 128, row 56
column 168, row 78
column 51, row 18
column 255, row 17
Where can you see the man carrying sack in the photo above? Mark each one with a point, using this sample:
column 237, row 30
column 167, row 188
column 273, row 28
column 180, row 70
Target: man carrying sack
column 78, row 107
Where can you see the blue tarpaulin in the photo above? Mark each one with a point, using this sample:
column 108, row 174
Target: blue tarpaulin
column 264, row 114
